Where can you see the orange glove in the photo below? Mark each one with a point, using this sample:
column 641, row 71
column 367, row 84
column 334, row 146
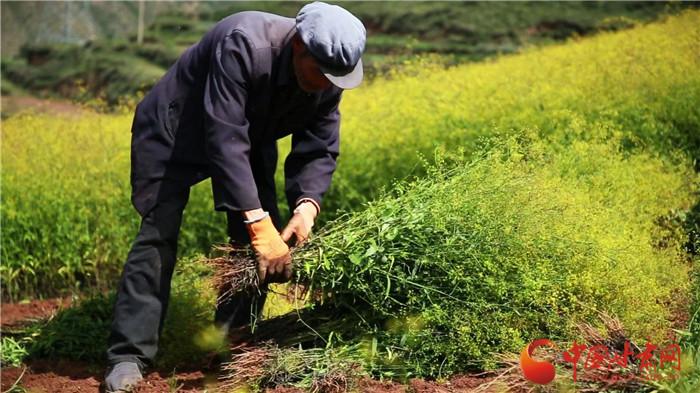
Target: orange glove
column 274, row 259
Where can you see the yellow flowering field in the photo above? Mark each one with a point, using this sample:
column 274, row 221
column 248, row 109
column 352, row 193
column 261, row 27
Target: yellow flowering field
column 67, row 219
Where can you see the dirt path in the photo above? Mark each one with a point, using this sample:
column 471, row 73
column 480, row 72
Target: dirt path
column 13, row 104
column 77, row 377
column 15, row 314
column 65, row 376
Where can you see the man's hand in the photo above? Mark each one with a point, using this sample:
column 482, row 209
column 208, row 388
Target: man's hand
column 274, row 259
column 301, row 223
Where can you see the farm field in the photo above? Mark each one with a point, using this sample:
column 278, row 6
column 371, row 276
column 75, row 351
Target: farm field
column 551, row 193
column 91, row 51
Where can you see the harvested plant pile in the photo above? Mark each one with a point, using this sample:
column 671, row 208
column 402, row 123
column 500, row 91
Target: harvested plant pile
column 524, row 240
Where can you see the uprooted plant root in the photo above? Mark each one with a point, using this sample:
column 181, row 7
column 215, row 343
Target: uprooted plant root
column 336, row 381
column 234, row 272
column 268, row 365
column 247, row 365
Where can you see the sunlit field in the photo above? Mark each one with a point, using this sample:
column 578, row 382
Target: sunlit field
column 474, row 207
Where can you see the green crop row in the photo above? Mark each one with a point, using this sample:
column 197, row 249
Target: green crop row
column 67, row 217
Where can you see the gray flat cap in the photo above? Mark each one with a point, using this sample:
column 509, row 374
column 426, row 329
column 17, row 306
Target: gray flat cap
column 336, row 38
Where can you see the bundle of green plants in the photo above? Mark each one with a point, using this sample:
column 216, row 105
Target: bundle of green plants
column 314, row 369
column 485, row 254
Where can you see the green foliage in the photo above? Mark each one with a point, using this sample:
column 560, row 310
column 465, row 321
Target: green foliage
column 473, row 30
column 685, row 381
column 482, row 256
column 108, row 71
column 189, row 333
column 577, row 210
column 641, row 83
column 66, row 214
column 81, row 331
column 109, row 67
column 689, row 379
column 12, row 351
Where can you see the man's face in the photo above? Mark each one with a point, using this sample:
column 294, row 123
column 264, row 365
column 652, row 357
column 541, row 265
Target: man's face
column 309, row 75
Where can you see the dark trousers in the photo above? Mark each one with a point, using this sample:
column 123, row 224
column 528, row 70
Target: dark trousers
column 144, row 287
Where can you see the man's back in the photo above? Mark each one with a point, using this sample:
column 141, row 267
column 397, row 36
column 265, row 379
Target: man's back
column 266, row 32
column 184, row 82
column 171, row 119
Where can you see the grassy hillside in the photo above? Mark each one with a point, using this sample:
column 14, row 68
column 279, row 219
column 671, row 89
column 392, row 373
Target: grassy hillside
column 70, row 22
column 85, row 53
column 67, row 221
column 640, row 83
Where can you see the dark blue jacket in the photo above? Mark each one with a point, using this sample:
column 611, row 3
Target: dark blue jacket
column 218, row 112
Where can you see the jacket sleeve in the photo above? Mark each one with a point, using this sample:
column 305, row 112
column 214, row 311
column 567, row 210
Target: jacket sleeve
column 312, row 160
column 226, row 126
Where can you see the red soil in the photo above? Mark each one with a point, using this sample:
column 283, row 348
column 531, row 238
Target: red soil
column 14, row 314
column 64, row 376
column 77, row 377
